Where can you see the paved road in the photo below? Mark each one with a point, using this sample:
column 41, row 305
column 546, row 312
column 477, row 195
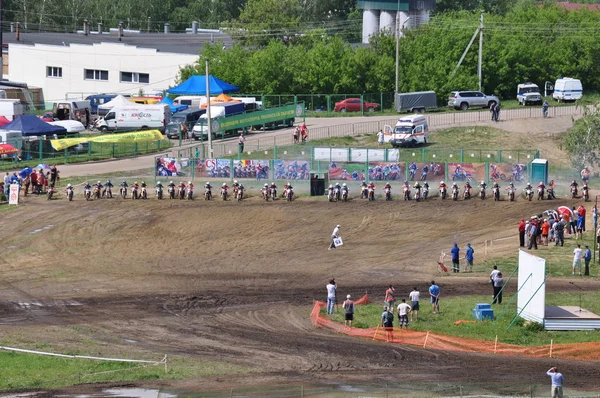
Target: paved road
column 333, row 126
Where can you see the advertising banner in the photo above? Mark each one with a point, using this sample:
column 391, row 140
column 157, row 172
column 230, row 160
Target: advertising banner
column 138, row 136
column 258, row 117
column 257, row 169
column 426, row 171
column 13, row 194
column 382, row 171
column 515, row 172
column 167, row 167
column 213, row 168
column 348, row 171
column 291, row 170
column 472, row 172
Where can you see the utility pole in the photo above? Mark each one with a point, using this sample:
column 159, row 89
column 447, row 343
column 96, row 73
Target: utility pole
column 480, row 49
column 397, row 39
column 208, row 121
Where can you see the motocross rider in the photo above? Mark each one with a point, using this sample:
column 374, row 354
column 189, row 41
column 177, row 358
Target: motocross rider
column 123, row 184
column 265, row 190
column 371, row 186
column 388, row 186
column 574, row 185
column 190, row 186
column 442, row 185
column 159, row 185
column 108, row 185
column 99, row 186
column 417, row 188
column 483, row 185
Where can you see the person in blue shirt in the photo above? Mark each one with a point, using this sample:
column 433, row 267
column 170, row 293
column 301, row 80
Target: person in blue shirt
column 469, row 257
column 587, row 256
column 557, row 381
column 434, row 292
column 455, row 252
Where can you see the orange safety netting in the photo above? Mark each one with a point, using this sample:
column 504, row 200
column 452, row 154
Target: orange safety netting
column 580, row 351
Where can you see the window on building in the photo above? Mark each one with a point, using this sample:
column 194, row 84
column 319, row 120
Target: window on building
column 94, row 74
column 53, row 71
column 133, row 77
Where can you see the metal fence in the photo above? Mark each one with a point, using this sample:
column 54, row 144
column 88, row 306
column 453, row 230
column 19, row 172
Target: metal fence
column 34, row 152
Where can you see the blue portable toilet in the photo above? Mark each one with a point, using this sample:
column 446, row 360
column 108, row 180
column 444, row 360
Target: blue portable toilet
column 539, row 170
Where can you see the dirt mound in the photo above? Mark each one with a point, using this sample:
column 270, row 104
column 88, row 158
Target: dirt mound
column 236, row 281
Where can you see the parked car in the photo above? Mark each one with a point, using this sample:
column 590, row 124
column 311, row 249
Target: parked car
column 464, row 100
column 355, row 105
column 47, row 117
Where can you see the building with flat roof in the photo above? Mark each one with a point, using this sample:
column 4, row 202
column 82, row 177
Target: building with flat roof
column 389, row 14
column 75, row 65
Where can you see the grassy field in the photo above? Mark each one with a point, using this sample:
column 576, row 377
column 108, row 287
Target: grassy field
column 453, row 309
column 36, row 371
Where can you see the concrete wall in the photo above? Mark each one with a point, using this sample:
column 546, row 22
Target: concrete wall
column 27, row 63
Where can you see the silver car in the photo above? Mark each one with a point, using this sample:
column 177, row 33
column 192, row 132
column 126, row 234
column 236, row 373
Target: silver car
column 464, row 100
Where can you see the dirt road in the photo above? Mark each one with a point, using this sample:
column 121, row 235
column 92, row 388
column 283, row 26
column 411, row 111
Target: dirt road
column 235, row 283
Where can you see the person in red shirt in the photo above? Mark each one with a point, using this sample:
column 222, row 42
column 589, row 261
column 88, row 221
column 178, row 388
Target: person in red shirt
column 582, row 212
column 522, row 233
column 545, row 231
column 389, row 296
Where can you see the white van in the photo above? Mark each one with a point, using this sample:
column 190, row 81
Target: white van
column 409, row 130
column 14, row 138
column 135, row 117
column 73, row 110
column 10, row 108
column 192, row 101
column 567, row 89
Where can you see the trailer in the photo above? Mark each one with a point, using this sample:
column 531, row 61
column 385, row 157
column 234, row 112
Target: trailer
column 415, row 102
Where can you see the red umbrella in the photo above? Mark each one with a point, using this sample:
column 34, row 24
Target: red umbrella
column 6, row 149
column 565, row 211
column 3, row 121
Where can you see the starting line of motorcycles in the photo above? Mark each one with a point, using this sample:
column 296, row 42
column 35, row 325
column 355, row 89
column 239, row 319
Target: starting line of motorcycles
column 180, row 191
column 339, row 192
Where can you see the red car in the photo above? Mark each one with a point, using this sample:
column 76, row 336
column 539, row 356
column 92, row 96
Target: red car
column 47, row 117
column 355, row 105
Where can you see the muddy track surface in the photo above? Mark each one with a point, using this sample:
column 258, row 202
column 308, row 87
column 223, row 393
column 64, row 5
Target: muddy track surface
column 236, row 282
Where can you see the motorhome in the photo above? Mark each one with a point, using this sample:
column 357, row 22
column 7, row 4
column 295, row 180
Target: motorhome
column 135, row 117
column 72, row 110
column 10, row 108
column 409, row 131
column 193, row 101
column 567, row 89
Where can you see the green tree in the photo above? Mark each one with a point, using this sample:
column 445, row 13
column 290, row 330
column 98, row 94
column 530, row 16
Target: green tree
column 583, row 139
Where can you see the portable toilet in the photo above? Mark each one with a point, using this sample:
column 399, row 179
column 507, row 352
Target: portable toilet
column 539, row 170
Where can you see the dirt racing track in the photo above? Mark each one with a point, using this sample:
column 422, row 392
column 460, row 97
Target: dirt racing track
column 236, row 282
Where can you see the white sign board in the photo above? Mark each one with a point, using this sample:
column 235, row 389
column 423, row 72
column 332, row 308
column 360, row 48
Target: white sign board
column 364, row 155
column 376, row 155
column 331, row 154
column 393, row 155
column 13, row 194
column 338, row 242
column 531, row 298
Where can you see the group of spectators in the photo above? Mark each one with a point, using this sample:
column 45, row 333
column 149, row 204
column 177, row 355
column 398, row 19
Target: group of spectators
column 37, row 180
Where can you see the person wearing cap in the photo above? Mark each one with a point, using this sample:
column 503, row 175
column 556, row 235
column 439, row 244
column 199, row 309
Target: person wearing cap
column 522, row 233
column 560, row 231
column 349, row 311
column 469, row 257
column 545, row 232
column 387, row 321
column 533, row 236
column 455, row 252
column 587, row 257
column 334, row 235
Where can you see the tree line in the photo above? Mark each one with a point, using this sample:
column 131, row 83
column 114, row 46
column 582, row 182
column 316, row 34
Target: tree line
column 526, row 44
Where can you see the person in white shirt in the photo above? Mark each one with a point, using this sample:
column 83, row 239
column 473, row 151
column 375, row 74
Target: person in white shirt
column 493, row 276
column 335, row 234
column 331, row 291
column 414, row 303
column 380, row 137
column 577, row 259
column 403, row 310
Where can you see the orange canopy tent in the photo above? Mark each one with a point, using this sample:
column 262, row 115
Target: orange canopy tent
column 220, row 99
column 6, row 149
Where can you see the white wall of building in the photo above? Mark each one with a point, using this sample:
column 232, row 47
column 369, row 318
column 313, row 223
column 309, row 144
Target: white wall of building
column 28, row 63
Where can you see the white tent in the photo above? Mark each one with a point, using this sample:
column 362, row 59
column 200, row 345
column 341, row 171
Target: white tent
column 117, row 101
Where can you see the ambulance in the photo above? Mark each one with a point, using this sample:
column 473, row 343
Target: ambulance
column 410, row 130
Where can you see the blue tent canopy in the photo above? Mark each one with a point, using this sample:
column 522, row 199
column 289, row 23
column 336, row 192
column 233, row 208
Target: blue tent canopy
column 174, row 108
column 31, row 125
column 196, row 85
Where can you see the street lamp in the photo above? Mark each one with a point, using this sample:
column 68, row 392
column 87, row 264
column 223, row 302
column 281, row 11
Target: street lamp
column 397, row 40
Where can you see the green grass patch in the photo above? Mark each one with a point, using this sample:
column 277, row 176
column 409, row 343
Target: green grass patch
column 459, row 308
column 36, row 371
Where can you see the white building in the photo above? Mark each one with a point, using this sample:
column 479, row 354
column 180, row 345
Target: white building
column 77, row 65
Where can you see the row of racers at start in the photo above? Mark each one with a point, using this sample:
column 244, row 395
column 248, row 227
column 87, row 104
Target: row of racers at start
column 367, row 191
column 181, row 190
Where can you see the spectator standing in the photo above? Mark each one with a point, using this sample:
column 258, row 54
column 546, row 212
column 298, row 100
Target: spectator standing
column 331, row 293
column 403, row 311
column 414, row 303
column 334, row 235
column 241, row 142
column 551, row 223
column 349, row 311
column 493, row 111
column 579, row 228
column 34, row 184
column 595, row 217
column 380, row 137
column 582, row 212
column 560, row 232
column 493, row 276
column 390, row 300
column 434, row 292
column 527, row 228
column 498, row 285
column 387, row 321
column 573, row 221
column 54, row 175
column 557, row 378
column 7, row 183
column 577, row 253
column 469, row 257
column 545, row 232
column 587, row 257
column 497, row 112
column 532, row 237
column 522, row 233
column 455, row 252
